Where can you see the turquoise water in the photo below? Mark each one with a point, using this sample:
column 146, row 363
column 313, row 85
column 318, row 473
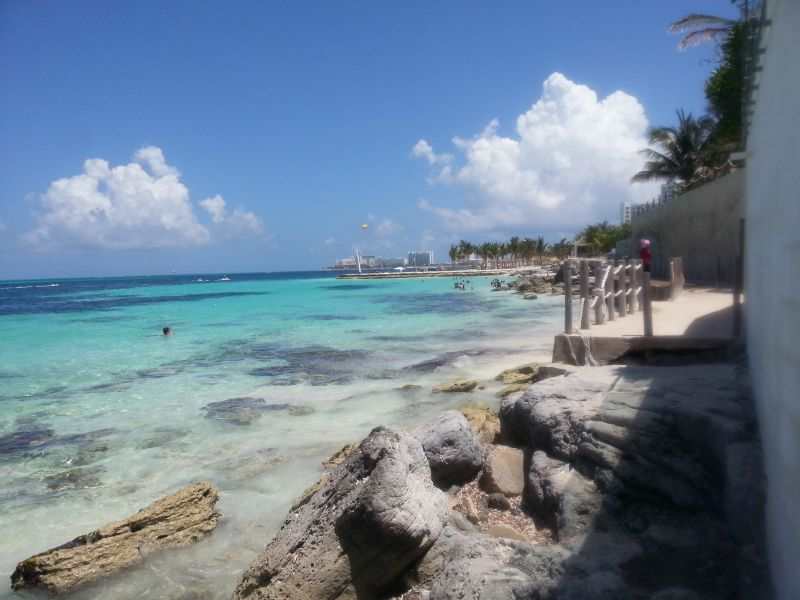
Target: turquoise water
column 263, row 377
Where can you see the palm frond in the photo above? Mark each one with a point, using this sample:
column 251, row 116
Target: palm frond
column 695, row 20
column 701, row 36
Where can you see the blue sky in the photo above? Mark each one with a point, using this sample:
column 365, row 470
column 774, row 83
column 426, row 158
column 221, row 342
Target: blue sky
column 268, row 132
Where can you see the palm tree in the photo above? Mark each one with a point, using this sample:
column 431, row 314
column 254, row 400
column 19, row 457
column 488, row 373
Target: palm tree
column 541, row 248
column 683, row 151
column 453, row 253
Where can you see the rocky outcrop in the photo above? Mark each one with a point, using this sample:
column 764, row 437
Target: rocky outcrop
column 529, row 373
column 452, row 448
column 373, row 517
column 176, row 520
column 462, row 385
column 484, row 422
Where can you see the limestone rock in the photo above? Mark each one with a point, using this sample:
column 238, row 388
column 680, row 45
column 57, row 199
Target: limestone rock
column 176, row 520
column 453, row 450
column 484, row 422
column 375, row 515
column 498, row 502
column 504, row 531
column 512, row 389
column 462, row 385
column 503, row 471
column 529, row 373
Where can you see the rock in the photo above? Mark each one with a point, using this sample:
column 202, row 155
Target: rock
column 300, row 411
column 561, row 497
column 339, row 456
column 484, row 422
column 375, row 515
column 176, row 520
column 503, row 471
column 240, row 411
column 498, row 502
column 529, row 373
column 530, row 297
column 453, row 450
column 463, row 385
column 409, row 387
column 512, row 389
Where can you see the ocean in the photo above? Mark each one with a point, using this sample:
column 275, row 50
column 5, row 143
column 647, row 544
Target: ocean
column 265, row 375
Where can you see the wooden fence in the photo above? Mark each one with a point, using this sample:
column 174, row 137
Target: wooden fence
column 606, row 291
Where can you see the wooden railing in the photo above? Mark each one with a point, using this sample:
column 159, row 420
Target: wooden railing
column 607, row 291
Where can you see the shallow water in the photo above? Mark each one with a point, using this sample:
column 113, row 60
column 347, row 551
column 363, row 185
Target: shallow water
column 265, row 376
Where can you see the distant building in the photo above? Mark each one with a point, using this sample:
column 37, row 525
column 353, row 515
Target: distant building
column 391, row 263
column 345, row 263
column 420, row 259
column 626, row 211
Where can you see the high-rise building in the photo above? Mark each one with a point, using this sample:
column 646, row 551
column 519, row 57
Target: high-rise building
column 626, row 211
column 420, row 258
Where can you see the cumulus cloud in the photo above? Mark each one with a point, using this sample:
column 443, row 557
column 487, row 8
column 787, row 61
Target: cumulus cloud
column 423, row 149
column 387, row 228
column 235, row 222
column 569, row 163
column 142, row 204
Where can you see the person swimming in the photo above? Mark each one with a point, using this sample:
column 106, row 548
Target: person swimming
column 166, row 331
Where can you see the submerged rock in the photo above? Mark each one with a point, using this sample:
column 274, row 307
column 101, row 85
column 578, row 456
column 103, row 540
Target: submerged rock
column 176, row 520
column 369, row 520
column 462, row 385
column 453, row 450
column 240, row 411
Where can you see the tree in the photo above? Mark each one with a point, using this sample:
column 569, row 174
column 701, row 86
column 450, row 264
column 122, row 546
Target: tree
column 541, row 248
column 725, row 89
column 453, row 253
column 682, row 152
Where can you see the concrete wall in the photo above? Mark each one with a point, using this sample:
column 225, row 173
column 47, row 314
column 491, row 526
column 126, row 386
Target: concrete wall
column 701, row 226
column 772, row 279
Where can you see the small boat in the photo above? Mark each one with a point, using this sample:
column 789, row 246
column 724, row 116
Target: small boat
column 226, row 278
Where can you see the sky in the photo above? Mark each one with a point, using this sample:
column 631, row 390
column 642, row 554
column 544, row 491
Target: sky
column 196, row 137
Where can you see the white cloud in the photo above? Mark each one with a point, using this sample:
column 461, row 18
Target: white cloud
column 423, row 149
column 569, row 163
column 142, row 204
column 330, row 241
column 235, row 222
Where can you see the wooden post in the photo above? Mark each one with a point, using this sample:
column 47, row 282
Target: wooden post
column 567, row 271
column 599, row 293
column 585, row 298
column 648, row 309
column 609, row 291
column 628, row 287
column 635, row 285
column 620, row 289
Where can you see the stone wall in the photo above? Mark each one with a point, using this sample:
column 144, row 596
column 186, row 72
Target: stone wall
column 772, row 280
column 701, row 226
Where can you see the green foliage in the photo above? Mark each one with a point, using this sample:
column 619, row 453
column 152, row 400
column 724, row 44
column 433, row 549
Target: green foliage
column 681, row 153
column 725, row 89
column 602, row 237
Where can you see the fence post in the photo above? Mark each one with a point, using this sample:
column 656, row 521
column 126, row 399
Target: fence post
column 620, row 289
column 609, row 292
column 648, row 309
column 634, row 285
column 567, row 271
column 599, row 294
column 585, row 300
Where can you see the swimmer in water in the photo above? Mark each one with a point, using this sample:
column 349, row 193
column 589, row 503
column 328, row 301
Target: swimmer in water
column 166, row 331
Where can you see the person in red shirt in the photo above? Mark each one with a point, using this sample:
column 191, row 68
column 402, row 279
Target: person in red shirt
column 645, row 254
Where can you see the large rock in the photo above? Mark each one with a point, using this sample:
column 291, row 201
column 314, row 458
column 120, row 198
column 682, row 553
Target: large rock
column 484, row 422
column 453, row 450
column 462, row 385
column 561, row 497
column 176, row 520
column 529, row 373
column 504, row 471
column 371, row 518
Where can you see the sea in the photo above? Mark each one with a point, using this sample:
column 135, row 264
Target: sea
column 263, row 377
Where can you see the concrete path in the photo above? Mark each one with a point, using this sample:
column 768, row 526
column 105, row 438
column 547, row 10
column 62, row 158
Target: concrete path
column 698, row 312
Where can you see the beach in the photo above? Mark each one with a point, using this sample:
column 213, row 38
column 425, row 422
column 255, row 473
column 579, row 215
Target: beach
column 263, row 378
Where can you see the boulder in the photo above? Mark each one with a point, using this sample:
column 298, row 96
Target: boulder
column 529, row 373
column 503, row 471
column 462, row 385
column 453, row 450
column 561, row 497
column 484, row 422
column 530, row 297
column 177, row 520
column 512, row 389
column 371, row 518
